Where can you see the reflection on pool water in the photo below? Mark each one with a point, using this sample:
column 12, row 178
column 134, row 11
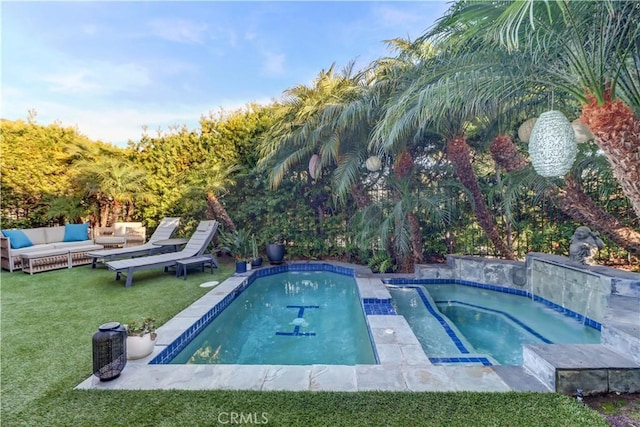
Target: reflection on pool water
column 450, row 320
column 292, row 318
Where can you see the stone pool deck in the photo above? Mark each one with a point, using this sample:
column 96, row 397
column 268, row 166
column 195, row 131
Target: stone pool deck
column 403, row 365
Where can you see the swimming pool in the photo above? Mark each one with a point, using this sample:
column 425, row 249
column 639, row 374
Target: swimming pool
column 401, row 362
column 289, row 318
column 454, row 321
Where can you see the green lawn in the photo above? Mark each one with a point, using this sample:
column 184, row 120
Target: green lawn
column 48, row 320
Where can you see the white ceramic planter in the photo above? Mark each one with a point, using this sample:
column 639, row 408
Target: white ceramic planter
column 139, row 347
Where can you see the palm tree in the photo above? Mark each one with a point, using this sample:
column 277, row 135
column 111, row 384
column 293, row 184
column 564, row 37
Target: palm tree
column 317, row 120
column 207, row 181
column 113, row 183
column 476, row 73
column 68, row 208
column 587, row 49
column 571, row 198
column 442, row 94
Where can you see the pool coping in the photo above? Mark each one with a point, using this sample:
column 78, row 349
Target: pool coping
column 403, row 365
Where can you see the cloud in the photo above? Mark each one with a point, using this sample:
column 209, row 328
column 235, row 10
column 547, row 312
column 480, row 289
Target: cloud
column 178, row 30
column 73, row 81
column 97, row 77
column 414, row 20
column 89, row 29
column 273, row 64
column 389, row 16
column 115, row 124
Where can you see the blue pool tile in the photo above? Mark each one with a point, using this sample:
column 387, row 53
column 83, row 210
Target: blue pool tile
column 378, row 306
column 436, row 314
column 460, row 360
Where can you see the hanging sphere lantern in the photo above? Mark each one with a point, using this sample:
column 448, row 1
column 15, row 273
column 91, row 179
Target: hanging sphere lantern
column 373, row 163
column 581, row 131
column 313, row 166
column 552, row 146
column 524, row 131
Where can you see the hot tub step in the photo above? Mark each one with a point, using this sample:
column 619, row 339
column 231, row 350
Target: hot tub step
column 592, row 368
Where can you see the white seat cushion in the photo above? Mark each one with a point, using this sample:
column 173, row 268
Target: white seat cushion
column 86, row 248
column 43, row 254
column 73, row 244
column 30, row 249
column 110, row 240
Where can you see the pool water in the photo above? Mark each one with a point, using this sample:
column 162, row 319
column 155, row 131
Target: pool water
column 451, row 320
column 292, row 318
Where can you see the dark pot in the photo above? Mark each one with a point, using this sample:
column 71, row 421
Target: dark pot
column 256, row 262
column 275, row 253
column 241, row 266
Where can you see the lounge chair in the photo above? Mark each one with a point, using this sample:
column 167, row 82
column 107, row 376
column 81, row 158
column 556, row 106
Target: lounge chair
column 196, row 246
column 164, row 231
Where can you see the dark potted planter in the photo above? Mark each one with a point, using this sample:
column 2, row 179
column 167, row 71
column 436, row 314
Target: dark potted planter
column 275, row 253
column 256, row 259
column 241, row 266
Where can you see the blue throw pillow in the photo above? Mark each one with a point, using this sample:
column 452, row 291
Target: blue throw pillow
column 76, row 232
column 17, row 238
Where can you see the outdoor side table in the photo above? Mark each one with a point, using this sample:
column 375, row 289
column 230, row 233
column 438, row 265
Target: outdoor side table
column 183, row 265
column 171, row 243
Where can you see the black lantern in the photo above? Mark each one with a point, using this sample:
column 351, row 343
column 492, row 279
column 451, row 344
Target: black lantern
column 109, row 351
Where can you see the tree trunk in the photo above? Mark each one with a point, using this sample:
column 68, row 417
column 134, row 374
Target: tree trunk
column 216, row 211
column 416, row 238
column 129, row 212
column 617, row 133
column 505, row 154
column 401, row 169
column 115, row 214
column 360, row 196
column 405, row 261
column 459, row 155
column 104, row 211
column 572, row 200
column 575, row 203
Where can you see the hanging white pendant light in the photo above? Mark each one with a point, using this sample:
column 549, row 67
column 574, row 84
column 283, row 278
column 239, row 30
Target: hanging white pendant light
column 373, row 163
column 313, row 166
column 524, row 131
column 552, row 145
column 582, row 131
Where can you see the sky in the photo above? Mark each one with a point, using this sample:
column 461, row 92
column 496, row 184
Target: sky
column 113, row 69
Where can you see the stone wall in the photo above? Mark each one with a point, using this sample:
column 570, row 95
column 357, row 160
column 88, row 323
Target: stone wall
column 569, row 284
column 581, row 288
column 510, row 274
column 490, row 271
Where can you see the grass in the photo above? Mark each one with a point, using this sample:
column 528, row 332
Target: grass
column 48, row 320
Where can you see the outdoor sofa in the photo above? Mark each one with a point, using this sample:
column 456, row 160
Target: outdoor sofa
column 121, row 234
column 46, row 248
